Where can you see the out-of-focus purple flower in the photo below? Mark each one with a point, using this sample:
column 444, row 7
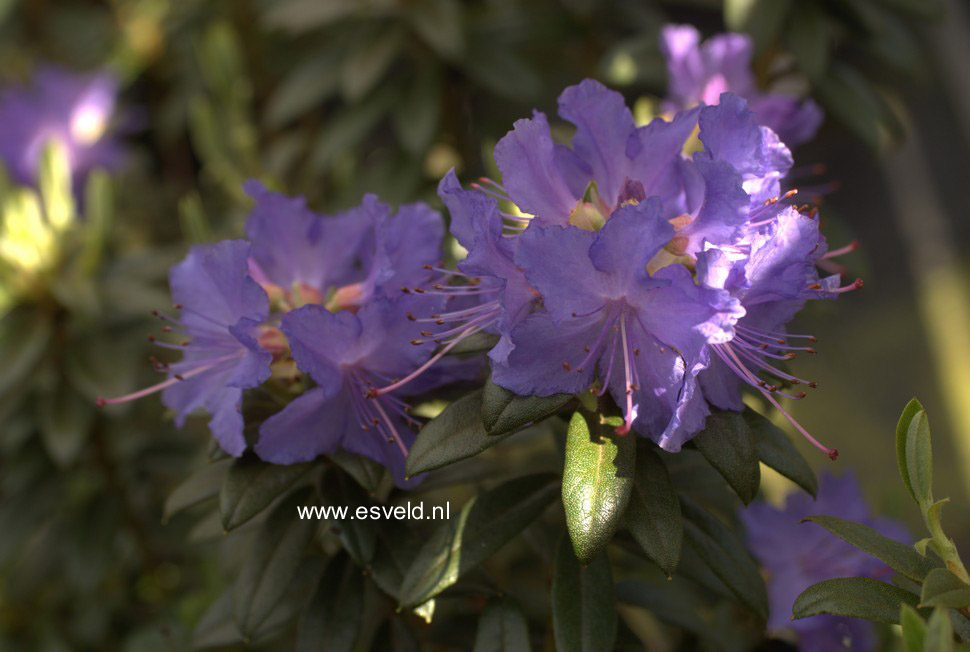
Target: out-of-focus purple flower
column 73, row 109
column 223, row 315
column 796, row 555
column 348, row 355
column 363, row 252
column 642, row 335
column 698, row 73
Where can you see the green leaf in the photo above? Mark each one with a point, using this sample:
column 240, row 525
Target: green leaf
column 486, row 523
column 583, row 602
column 762, row 19
column 368, row 62
column 193, row 220
column 504, row 411
column 272, row 563
column 24, row 337
column 728, row 445
column 98, row 218
column 502, row 628
column 854, row 597
column 726, row 556
column 653, row 516
column 216, row 627
column 251, row 485
column 306, row 86
column 358, row 536
column 914, row 629
column 898, row 556
column 346, row 128
column 197, row 488
column 416, row 116
column 912, row 408
column 479, row 342
column 669, row 603
column 332, row 619
column 455, row 434
column 919, row 459
column 65, row 421
column 809, row 37
column 851, row 98
column 777, row 451
column 365, row 471
column 596, row 483
column 944, row 589
column 439, row 22
column 939, row 632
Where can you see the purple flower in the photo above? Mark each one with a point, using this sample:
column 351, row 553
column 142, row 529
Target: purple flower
column 772, row 272
column 699, row 73
column 223, row 310
column 642, row 336
column 796, row 555
column 72, row 109
column 348, row 356
column 361, row 253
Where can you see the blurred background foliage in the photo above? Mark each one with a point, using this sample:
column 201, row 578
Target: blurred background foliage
column 334, row 98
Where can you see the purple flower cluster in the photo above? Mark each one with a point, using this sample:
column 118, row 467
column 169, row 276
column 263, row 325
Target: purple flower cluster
column 323, row 293
column 74, row 110
column 699, row 73
column 796, row 555
column 622, row 265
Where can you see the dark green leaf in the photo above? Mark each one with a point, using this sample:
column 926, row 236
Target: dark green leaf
column 65, row 419
column 725, row 555
column 912, row 408
column 504, row 412
column 853, row 100
column 776, row 450
column 416, row 116
column 24, row 336
column 396, row 549
column 667, row 603
column 944, row 589
column 216, row 626
column 346, row 128
column 897, row 556
column 728, row 445
column 919, row 459
column 455, row 434
column 198, row 487
column 653, row 516
column 272, row 563
column 332, row 618
column 914, row 629
column 809, row 37
column 939, row 632
column 368, row 62
column 762, row 19
column 502, row 71
column 479, row 342
column 583, row 602
column 305, row 87
column 251, row 486
column 596, row 483
column 854, row 597
column 365, row 471
column 486, row 523
column 439, row 23
column 358, row 536
column 502, row 628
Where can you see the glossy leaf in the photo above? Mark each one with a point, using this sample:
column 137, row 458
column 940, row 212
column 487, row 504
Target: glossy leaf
column 583, row 602
column 251, row 486
column 653, row 515
column 502, row 628
column 776, row 450
column 504, row 412
column 854, row 597
column 728, row 445
column 272, row 563
column 944, row 589
column 485, row 524
column 365, row 471
column 896, row 555
column 596, row 483
column 726, row 556
column 455, row 434
column 668, row 603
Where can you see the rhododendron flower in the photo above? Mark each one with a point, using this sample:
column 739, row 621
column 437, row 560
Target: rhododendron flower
column 73, row 109
column 698, row 73
column 796, row 555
